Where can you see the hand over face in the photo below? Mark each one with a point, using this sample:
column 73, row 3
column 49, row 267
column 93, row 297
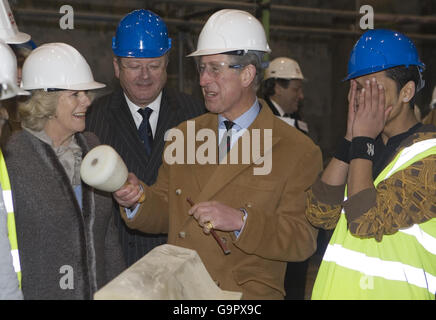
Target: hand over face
column 370, row 115
column 352, row 103
column 222, row 217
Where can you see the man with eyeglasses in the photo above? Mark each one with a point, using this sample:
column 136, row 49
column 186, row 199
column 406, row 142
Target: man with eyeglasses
column 133, row 119
column 259, row 218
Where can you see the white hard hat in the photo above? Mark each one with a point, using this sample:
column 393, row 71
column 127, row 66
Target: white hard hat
column 8, row 28
column 283, row 68
column 8, row 73
column 58, row 66
column 230, row 30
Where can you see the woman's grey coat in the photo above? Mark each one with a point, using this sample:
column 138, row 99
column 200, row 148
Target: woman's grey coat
column 65, row 252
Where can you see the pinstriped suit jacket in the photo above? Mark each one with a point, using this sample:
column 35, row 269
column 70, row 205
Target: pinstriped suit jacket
column 110, row 119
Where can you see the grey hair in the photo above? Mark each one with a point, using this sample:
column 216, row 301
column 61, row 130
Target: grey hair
column 254, row 58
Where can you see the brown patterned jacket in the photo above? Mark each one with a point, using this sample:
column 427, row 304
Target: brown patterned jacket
column 406, row 198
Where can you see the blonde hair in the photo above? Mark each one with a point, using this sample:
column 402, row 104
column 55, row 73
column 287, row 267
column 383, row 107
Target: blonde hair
column 35, row 111
column 40, row 107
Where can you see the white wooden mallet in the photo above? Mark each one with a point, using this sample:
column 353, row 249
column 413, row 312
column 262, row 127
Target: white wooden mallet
column 103, row 169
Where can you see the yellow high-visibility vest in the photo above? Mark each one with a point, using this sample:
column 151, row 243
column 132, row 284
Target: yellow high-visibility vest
column 401, row 266
column 12, row 233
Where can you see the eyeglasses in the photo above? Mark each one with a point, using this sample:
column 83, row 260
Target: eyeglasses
column 215, row 69
column 136, row 67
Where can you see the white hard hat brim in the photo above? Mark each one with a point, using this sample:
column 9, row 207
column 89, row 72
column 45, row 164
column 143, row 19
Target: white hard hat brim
column 207, row 52
column 87, row 86
column 21, row 92
column 286, row 78
column 12, row 91
column 18, row 38
column 76, row 87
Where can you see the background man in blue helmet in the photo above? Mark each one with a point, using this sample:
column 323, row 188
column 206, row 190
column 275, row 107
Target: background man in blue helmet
column 134, row 118
column 260, row 217
column 384, row 243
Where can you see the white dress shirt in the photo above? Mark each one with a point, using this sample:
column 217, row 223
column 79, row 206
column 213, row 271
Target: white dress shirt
column 154, row 116
column 301, row 124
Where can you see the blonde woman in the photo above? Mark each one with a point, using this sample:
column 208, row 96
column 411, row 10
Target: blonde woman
column 67, row 241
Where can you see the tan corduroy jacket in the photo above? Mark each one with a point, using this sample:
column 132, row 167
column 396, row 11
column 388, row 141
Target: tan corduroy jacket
column 275, row 230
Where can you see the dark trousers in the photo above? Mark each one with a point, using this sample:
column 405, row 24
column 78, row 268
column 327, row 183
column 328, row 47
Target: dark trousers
column 296, row 272
column 295, row 280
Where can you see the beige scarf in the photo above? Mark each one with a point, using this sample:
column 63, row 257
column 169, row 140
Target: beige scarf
column 70, row 156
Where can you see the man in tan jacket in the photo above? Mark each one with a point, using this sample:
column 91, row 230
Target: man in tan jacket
column 244, row 171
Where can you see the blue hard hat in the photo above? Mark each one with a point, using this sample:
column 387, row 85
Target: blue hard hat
column 380, row 49
column 141, row 34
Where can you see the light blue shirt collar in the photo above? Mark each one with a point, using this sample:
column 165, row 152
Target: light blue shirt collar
column 244, row 120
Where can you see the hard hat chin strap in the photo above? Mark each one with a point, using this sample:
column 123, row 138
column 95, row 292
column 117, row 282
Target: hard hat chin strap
column 52, row 89
column 241, row 52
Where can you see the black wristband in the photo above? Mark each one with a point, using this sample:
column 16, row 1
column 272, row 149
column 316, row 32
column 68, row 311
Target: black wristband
column 362, row 148
column 343, row 151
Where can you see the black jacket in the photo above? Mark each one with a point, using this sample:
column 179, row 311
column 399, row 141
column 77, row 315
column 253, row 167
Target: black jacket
column 110, row 119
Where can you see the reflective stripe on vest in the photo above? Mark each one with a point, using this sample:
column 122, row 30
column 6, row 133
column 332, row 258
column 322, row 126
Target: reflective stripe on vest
column 401, row 266
column 425, row 240
column 375, row 267
column 12, row 234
